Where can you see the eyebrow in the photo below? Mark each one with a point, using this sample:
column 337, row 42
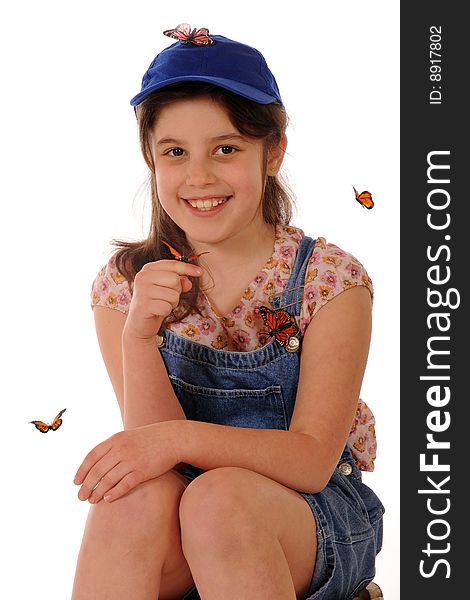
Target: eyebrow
column 217, row 138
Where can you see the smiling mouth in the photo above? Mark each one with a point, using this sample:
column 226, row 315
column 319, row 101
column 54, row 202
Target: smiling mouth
column 207, row 203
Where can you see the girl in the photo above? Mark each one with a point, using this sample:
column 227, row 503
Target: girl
column 234, row 473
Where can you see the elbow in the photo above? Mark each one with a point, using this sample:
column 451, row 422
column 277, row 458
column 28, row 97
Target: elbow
column 315, row 485
column 318, row 466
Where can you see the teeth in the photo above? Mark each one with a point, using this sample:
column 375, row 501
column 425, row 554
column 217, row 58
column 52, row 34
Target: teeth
column 206, row 204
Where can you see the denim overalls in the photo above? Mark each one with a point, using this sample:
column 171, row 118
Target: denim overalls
column 258, row 389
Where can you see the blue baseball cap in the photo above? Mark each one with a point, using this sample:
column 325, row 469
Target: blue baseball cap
column 226, row 63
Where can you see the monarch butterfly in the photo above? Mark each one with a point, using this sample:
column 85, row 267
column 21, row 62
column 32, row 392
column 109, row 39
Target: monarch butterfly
column 178, row 256
column 280, row 326
column 364, row 198
column 184, row 33
column 44, row 427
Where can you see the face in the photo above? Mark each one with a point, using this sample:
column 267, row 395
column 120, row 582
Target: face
column 209, row 177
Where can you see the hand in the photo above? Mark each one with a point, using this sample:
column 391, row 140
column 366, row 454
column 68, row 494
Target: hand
column 157, row 289
column 125, row 460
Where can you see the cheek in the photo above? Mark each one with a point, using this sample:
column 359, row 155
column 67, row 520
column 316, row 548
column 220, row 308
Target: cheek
column 254, row 175
column 166, row 184
column 250, row 181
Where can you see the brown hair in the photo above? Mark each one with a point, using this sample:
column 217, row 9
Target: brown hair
column 261, row 121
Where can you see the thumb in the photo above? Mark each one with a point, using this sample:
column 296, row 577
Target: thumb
column 186, row 284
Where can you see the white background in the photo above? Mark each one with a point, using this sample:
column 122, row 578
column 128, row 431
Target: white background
column 71, row 173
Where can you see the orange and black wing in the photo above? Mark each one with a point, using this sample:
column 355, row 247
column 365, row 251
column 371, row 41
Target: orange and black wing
column 181, row 32
column 43, row 427
column 269, row 317
column 57, row 422
column 286, row 327
column 174, row 252
column 201, row 37
column 192, row 257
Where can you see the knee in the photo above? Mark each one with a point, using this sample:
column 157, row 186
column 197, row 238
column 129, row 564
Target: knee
column 215, row 510
column 149, row 503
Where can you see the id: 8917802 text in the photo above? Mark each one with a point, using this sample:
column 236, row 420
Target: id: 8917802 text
column 435, row 64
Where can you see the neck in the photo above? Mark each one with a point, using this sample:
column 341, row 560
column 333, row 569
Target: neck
column 245, row 252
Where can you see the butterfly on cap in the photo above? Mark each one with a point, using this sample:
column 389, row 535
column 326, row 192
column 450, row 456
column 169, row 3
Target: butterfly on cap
column 178, row 256
column 44, row 427
column 184, row 33
column 364, row 198
column 281, row 326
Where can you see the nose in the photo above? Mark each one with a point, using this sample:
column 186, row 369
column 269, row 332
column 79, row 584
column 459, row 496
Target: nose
column 199, row 171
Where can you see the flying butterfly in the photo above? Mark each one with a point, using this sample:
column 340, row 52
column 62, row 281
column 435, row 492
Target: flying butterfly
column 178, row 256
column 364, row 198
column 281, row 326
column 44, row 427
column 184, row 33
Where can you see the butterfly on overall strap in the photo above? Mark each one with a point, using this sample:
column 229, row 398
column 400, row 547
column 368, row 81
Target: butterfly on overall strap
column 178, row 256
column 282, row 327
column 184, row 33
column 44, row 427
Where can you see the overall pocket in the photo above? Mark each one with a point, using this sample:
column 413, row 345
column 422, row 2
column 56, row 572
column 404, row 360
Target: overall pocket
column 260, row 409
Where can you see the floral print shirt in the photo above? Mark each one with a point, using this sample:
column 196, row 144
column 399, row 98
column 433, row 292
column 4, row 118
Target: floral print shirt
column 330, row 271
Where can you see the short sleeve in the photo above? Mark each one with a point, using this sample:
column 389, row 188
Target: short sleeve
column 330, row 271
column 362, row 439
column 111, row 289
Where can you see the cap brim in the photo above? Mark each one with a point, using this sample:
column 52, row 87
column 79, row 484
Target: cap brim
column 241, row 89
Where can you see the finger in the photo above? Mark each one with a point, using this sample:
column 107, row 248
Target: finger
column 91, row 458
column 125, row 485
column 158, row 284
column 167, row 294
column 157, row 300
column 159, row 308
column 176, row 266
column 108, row 481
column 151, row 302
column 96, row 474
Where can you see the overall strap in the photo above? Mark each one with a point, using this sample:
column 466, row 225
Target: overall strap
column 292, row 295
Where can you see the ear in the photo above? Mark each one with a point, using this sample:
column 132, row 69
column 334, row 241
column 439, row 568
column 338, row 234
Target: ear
column 276, row 156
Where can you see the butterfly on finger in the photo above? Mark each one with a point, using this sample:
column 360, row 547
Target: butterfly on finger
column 45, row 427
column 282, row 327
column 184, row 33
column 178, row 256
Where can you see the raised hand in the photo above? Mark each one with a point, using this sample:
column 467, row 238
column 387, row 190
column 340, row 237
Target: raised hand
column 157, row 289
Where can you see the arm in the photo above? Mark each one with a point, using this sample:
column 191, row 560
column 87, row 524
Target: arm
column 128, row 345
column 136, row 371
column 333, row 360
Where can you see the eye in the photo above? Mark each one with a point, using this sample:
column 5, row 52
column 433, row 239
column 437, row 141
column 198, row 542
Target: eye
column 175, row 152
column 226, row 149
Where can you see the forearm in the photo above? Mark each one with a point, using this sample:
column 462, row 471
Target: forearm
column 148, row 393
column 295, row 460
